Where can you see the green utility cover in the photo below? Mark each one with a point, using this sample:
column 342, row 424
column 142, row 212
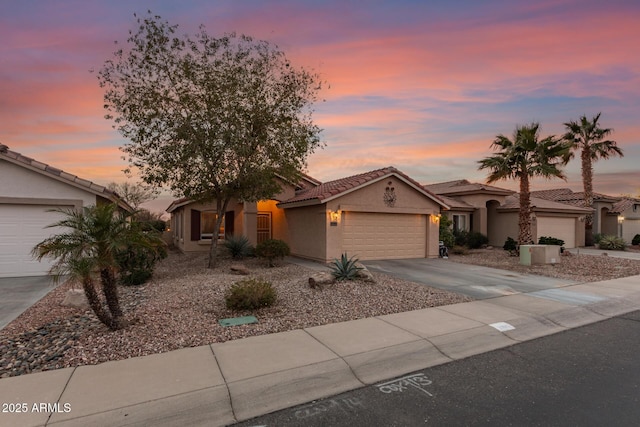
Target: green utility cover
column 235, row 321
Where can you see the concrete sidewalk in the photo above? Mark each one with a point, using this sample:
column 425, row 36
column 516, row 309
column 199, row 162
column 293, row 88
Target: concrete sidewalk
column 222, row 383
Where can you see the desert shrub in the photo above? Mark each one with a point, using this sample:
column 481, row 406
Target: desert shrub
column 136, row 263
column 154, row 225
column 239, row 246
column 510, row 245
column 636, row 240
column 596, row 238
column 612, row 243
column 345, row 268
column 459, row 250
column 476, row 240
column 460, row 238
column 250, row 294
column 272, row 249
column 472, row 240
column 544, row 240
column 446, row 235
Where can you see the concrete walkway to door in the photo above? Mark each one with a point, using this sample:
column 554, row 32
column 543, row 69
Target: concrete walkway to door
column 472, row 280
column 19, row 293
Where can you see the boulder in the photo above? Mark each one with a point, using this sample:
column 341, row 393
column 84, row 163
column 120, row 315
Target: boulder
column 321, row 279
column 75, row 298
column 239, row 269
column 364, row 273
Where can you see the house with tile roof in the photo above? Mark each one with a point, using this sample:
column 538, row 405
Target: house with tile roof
column 615, row 216
column 29, row 190
column 381, row 214
column 493, row 211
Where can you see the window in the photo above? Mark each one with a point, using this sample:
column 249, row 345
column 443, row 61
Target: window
column 208, row 224
column 459, row 222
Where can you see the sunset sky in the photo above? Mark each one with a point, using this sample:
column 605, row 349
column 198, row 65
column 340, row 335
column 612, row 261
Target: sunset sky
column 424, row 86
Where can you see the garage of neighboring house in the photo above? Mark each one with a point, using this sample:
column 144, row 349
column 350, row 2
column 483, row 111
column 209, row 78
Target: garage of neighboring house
column 558, row 227
column 25, row 206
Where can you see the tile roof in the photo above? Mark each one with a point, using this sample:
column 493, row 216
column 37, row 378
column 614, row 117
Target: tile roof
column 624, row 204
column 456, row 203
column 566, row 195
column 332, row 189
column 513, row 202
column 463, row 186
column 45, row 169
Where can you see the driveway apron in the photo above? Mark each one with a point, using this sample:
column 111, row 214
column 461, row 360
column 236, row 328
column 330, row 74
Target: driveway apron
column 19, row 293
column 472, row 280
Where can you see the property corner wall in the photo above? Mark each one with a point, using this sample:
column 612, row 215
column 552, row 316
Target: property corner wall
column 307, row 231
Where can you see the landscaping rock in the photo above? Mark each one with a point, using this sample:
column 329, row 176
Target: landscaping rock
column 319, row 280
column 364, row 273
column 239, row 269
column 75, row 298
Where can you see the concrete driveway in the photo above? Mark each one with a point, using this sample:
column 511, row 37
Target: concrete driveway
column 472, row 280
column 19, row 293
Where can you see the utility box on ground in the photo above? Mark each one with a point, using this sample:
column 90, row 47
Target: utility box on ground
column 539, row 254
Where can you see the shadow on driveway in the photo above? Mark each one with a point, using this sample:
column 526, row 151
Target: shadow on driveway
column 472, row 280
column 19, row 293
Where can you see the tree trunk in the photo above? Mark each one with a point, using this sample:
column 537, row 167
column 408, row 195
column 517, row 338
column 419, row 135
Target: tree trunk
column 110, row 291
column 96, row 305
column 524, row 218
column 221, row 208
column 587, row 182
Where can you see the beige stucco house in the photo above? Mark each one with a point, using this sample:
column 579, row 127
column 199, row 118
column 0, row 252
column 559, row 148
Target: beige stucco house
column 493, row 211
column 614, row 216
column 29, row 190
column 382, row 214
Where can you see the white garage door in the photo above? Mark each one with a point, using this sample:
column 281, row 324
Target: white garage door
column 560, row 228
column 384, row 236
column 21, row 228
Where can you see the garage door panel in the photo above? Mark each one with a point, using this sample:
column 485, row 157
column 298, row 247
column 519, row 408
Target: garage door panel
column 22, row 227
column 384, row 236
column 560, row 228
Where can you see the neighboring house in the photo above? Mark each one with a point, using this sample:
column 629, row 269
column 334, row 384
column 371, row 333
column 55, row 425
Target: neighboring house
column 29, row 189
column 616, row 216
column 381, row 214
column 493, row 211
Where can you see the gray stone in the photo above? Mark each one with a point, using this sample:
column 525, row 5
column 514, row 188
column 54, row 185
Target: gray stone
column 321, row 279
column 364, row 273
column 75, row 298
column 239, row 269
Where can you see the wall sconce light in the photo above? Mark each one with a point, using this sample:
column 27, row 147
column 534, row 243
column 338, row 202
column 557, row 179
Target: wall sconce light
column 435, row 218
column 334, row 216
column 582, row 218
column 620, row 219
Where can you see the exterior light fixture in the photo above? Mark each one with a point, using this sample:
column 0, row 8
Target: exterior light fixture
column 334, row 216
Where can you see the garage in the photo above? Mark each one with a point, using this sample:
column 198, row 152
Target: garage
column 22, row 227
column 371, row 236
column 560, row 228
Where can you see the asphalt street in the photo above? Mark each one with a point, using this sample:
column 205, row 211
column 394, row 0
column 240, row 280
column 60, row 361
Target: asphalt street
column 472, row 280
column 588, row 376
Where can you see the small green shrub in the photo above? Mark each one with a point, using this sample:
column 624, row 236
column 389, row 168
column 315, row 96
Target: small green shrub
column 446, row 235
column 510, row 244
column 476, row 240
column 460, row 238
column 596, row 238
column 136, row 264
column 636, row 240
column 612, row 243
column 544, row 240
column 239, row 246
column 271, row 250
column 154, row 224
column 345, row 268
column 250, row 294
column 459, row 250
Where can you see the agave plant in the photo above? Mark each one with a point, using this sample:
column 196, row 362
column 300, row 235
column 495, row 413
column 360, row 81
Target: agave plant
column 345, row 268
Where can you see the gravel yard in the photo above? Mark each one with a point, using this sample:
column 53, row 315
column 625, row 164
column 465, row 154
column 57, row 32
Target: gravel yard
column 182, row 304
column 181, row 307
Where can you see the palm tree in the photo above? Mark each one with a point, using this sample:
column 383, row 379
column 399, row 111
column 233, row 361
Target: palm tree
column 587, row 136
column 87, row 249
column 522, row 158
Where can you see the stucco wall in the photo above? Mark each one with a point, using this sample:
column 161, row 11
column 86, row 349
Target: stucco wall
column 502, row 225
column 307, row 227
column 279, row 226
column 28, row 184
